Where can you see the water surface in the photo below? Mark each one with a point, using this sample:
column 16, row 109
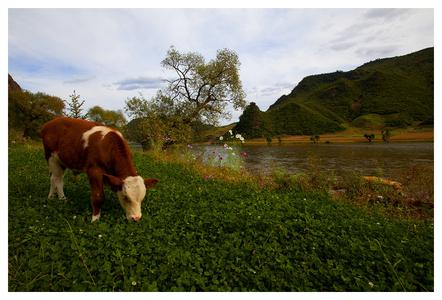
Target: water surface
column 370, row 159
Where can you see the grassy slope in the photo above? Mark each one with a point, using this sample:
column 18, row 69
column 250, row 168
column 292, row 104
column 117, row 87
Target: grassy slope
column 203, row 235
column 391, row 85
column 385, row 87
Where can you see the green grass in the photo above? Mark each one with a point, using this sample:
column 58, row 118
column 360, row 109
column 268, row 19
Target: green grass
column 369, row 121
column 204, row 235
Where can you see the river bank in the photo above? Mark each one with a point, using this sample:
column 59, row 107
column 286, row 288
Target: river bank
column 354, row 135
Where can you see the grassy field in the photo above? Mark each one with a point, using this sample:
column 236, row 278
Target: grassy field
column 202, row 234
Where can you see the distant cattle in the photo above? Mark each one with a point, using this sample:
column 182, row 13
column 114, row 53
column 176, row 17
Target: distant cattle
column 103, row 154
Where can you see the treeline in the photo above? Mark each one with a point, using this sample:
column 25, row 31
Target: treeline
column 194, row 100
column 293, row 119
column 28, row 111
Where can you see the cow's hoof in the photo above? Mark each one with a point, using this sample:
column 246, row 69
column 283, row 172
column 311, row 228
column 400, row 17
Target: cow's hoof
column 95, row 218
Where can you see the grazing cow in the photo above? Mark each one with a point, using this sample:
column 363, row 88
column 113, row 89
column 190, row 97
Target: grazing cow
column 103, row 154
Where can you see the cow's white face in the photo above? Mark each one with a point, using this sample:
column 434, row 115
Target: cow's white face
column 131, row 196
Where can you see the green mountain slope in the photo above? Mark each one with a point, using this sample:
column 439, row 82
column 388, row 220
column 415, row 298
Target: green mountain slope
column 389, row 92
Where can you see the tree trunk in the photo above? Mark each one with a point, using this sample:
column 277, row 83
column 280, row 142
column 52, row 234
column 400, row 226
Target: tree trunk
column 27, row 132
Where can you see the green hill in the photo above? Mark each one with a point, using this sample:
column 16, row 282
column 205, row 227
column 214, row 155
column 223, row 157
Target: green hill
column 390, row 92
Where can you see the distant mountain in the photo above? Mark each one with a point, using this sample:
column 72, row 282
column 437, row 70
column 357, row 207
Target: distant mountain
column 389, row 92
column 12, row 85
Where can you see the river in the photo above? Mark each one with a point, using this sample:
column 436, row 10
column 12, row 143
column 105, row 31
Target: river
column 379, row 159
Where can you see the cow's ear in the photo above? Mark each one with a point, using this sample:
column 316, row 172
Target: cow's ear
column 115, row 183
column 150, row 182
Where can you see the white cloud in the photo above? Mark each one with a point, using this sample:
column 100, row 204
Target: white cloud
column 58, row 50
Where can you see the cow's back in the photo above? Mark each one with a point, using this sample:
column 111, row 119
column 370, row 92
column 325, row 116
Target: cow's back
column 63, row 136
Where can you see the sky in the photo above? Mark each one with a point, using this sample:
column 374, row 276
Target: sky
column 110, row 55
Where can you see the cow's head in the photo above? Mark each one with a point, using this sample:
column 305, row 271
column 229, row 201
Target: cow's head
column 131, row 192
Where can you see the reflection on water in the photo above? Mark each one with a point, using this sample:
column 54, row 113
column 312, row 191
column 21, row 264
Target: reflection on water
column 369, row 159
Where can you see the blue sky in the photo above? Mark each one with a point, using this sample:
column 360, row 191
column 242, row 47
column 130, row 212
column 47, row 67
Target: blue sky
column 109, row 55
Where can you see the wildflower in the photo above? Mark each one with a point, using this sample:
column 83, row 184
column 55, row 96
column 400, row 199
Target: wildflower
column 134, row 283
column 189, row 146
column 244, row 154
column 238, row 136
column 100, row 236
column 305, row 199
column 233, row 152
column 380, row 197
column 226, row 146
column 221, row 138
column 230, row 131
column 74, row 217
column 370, row 284
column 207, row 177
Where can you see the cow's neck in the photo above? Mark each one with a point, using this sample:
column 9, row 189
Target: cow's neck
column 123, row 167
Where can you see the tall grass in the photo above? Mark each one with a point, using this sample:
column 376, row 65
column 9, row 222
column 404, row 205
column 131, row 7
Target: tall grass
column 415, row 200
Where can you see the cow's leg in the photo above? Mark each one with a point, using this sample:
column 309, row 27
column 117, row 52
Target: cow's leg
column 52, row 189
column 97, row 192
column 57, row 173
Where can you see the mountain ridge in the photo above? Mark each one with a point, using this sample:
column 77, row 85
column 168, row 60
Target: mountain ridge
column 397, row 91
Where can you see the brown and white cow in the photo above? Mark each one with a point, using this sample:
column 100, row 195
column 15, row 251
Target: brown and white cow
column 103, row 154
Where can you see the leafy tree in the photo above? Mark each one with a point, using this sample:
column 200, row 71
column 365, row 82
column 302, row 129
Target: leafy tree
column 200, row 92
column 386, row 135
column 252, row 123
column 203, row 90
column 28, row 111
column 74, row 109
column 107, row 117
column 155, row 123
column 314, row 138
